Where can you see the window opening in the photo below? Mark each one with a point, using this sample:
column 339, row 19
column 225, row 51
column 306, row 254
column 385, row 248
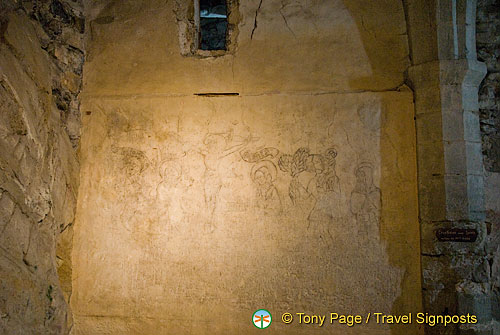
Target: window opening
column 212, row 24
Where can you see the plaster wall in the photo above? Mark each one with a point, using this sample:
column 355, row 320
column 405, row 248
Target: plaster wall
column 297, row 195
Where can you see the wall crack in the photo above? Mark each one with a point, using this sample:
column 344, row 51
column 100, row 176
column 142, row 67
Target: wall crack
column 283, row 5
column 255, row 20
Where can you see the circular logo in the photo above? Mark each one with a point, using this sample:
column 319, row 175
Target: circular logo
column 262, row 319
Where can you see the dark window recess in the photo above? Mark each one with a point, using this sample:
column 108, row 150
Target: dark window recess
column 213, row 24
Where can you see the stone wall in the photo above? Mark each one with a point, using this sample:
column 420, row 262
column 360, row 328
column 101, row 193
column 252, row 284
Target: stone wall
column 41, row 61
column 488, row 45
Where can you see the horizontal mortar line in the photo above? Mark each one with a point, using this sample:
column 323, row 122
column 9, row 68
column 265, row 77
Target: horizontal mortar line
column 191, row 320
column 249, row 94
column 139, row 317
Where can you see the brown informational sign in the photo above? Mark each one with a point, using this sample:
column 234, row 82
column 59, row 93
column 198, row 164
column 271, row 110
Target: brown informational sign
column 456, row 235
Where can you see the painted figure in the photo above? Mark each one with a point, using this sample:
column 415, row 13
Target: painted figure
column 315, row 187
column 169, row 195
column 365, row 200
column 217, row 147
column 264, row 175
column 297, row 167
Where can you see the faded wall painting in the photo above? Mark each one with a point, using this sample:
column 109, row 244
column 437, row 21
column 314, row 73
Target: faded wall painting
column 294, row 193
column 194, row 212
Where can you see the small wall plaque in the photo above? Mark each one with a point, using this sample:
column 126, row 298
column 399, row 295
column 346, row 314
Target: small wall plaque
column 456, row 235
